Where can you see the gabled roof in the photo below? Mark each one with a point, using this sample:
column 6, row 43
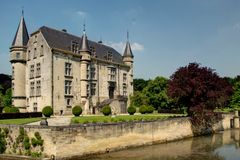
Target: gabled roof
column 62, row 40
column 21, row 37
column 128, row 51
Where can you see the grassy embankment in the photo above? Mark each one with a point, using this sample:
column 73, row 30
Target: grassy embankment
column 19, row 121
column 121, row 118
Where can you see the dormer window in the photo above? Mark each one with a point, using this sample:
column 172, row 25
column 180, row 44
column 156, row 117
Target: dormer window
column 109, row 56
column 93, row 51
column 74, row 47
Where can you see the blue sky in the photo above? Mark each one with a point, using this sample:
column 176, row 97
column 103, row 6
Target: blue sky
column 165, row 34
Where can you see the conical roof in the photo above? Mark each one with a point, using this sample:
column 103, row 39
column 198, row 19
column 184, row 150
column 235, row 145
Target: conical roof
column 128, row 51
column 21, row 37
column 84, row 45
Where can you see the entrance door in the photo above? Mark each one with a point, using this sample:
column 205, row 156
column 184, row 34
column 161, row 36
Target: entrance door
column 111, row 92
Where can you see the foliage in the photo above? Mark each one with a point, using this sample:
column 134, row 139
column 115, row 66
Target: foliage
column 120, row 118
column 235, row 99
column 200, row 89
column 7, row 98
column 10, row 109
column 106, row 110
column 150, row 109
column 131, row 110
column 3, row 142
column 47, row 111
column 143, row 109
column 76, row 111
column 37, row 141
column 26, row 142
column 154, row 93
column 139, row 84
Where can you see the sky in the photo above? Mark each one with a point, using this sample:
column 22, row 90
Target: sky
column 164, row 34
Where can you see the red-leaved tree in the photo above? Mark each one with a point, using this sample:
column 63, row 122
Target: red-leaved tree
column 200, row 89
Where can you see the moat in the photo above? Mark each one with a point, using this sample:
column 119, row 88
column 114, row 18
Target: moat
column 220, row 146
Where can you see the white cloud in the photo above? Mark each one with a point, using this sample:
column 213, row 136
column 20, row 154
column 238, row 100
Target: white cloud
column 120, row 46
column 82, row 13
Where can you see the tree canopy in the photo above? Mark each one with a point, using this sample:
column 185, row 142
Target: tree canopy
column 199, row 88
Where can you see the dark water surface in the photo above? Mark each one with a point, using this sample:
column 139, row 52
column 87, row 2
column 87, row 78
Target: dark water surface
column 220, row 146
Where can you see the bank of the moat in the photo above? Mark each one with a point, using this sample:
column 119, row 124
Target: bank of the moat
column 80, row 140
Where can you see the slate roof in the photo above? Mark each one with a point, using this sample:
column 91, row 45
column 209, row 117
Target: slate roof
column 128, row 50
column 63, row 40
column 21, row 37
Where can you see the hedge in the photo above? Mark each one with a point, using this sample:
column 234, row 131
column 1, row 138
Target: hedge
column 20, row 115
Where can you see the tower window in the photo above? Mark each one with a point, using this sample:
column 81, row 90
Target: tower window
column 38, row 88
column 124, row 89
column 68, row 87
column 124, row 77
column 93, row 89
column 38, row 70
column 17, row 55
column 68, row 69
column 13, row 72
column 32, row 87
column 41, row 50
column 31, row 71
column 35, row 53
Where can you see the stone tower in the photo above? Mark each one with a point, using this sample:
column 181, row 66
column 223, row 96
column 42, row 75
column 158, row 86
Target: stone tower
column 18, row 52
column 85, row 67
column 128, row 60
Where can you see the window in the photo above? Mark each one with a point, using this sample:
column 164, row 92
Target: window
column 92, row 73
column 29, row 55
column 13, row 72
column 68, row 102
column 88, row 70
column 38, row 88
column 35, row 107
column 109, row 56
column 93, row 89
column 32, row 89
column 112, row 74
column 124, row 77
column 68, row 87
column 17, row 55
column 68, row 69
column 35, row 53
column 31, row 71
column 88, row 90
column 41, row 50
column 38, row 70
column 74, row 47
column 124, row 90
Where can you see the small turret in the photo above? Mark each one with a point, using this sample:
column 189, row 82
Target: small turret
column 128, row 55
column 18, row 52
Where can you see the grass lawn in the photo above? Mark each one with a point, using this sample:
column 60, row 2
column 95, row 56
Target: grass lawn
column 121, row 118
column 19, row 121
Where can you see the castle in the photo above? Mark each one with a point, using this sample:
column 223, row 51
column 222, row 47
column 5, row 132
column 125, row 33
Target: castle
column 54, row 68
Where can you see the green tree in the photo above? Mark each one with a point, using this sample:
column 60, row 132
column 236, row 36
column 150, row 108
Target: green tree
column 235, row 99
column 156, row 93
column 139, row 84
column 7, row 98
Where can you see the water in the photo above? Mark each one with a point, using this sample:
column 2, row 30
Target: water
column 220, row 146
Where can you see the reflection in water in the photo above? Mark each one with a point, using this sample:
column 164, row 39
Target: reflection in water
column 220, row 146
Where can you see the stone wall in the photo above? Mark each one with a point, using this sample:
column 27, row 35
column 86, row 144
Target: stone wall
column 82, row 140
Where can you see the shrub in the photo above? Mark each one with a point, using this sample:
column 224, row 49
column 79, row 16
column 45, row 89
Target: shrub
column 143, row 109
column 14, row 110
column 3, row 143
column 150, row 109
column 131, row 110
column 6, row 110
column 76, row 111
column 47, row 111
column 106, row 110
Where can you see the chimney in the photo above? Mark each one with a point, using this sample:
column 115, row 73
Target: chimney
column 64, row 30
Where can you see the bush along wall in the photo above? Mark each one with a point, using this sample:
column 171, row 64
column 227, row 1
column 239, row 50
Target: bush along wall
column 21, row 143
